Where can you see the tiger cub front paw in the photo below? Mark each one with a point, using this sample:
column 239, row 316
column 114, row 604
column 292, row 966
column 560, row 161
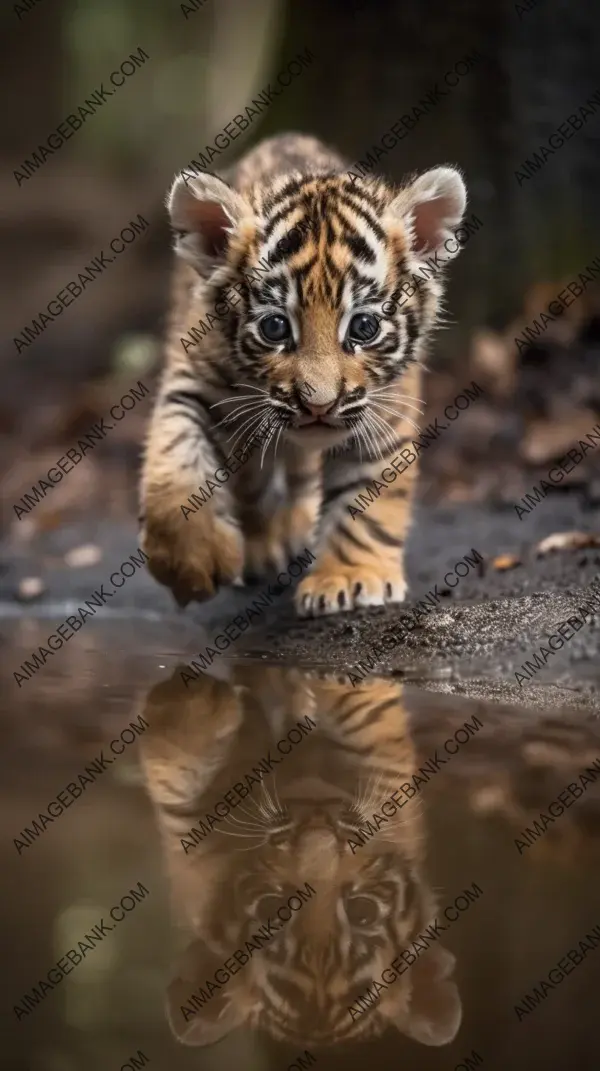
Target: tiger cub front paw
column 335, row 588
column 193, row 558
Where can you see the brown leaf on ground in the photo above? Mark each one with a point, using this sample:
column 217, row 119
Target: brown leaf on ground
column 548, row 440
column 567, row 541
column 506, row 561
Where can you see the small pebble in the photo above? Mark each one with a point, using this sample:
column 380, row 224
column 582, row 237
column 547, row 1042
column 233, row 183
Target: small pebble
column 79, row 557
column 30, row 588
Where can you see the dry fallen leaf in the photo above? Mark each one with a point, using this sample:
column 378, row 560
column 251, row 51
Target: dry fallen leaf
column 567, row 541
column 548, row 440
column 506, row 561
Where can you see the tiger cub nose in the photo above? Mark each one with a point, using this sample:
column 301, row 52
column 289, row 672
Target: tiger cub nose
column 319, row 410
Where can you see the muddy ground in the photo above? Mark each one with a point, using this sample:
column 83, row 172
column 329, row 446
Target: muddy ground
column 472, row 644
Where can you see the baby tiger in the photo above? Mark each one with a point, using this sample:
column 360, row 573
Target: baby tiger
column 293, row 373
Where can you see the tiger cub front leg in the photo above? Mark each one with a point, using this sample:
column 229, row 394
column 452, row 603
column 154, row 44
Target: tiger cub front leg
column 189, row 529
column 276, row 532
column 360, row 556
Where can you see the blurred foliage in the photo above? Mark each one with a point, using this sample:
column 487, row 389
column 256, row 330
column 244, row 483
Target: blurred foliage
column 373, row 62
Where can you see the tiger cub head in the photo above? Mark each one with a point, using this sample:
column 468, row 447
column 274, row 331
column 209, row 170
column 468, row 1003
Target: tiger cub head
column 295, row 833
column 311, row 278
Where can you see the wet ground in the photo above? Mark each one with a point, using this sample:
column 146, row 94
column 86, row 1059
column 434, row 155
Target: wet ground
column 445, row 850
column 168, row 813
column 473, row 642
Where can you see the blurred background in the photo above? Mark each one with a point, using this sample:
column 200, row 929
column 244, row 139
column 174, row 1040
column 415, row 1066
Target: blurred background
column 374, row 61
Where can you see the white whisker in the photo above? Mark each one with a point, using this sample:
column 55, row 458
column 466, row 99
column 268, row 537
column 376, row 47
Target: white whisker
column 400, row 397
column 388, row 431
column 271, row 432
column 235, row 398
column 244, row 825
column 381, row 427
column 251, row 386
column 399, row 401
column 248, row 408
column 378, row 405
column 245, row 836
column 249, row 813
column 369, row 436
column 277, row 441
column 238, row 413
column 249, row 420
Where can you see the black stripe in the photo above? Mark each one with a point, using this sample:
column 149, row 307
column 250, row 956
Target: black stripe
column 349, row 189
column 335, row 548
column 188, row 399
column 340, row 291
column 412, row 324
column 359, row 247
column 275, row 219
column 363, row 280
column 193, row 405
column 293, row 186
column 343, row 718
column 360, row 211
column 379, row 533
column 331, row 266
column 374, row 715
column 352, row 538
column 292, row 246
column 353, row 749
column 296, row 480
column 303, row 270
column 330, row 234
column 342, row 489
column 175, row 442
column 220, row 451
column 326, row 287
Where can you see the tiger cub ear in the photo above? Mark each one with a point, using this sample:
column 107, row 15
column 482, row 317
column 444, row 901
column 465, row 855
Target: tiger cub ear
column 191, row 1023
column 431, row 206
column 435, row 1011
column 205, row 212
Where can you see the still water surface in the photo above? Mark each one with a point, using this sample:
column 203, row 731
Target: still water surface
column 272, row 867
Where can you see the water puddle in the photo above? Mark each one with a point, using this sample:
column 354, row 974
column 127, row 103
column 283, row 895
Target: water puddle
column 278, row 868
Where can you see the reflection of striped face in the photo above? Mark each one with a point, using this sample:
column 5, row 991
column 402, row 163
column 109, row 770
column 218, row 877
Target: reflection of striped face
column 365, row 909
column 305, row 969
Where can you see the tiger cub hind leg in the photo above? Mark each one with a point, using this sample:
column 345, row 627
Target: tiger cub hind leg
column 275, row 536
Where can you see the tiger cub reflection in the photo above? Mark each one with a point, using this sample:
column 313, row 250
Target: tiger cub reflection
column 295, row 826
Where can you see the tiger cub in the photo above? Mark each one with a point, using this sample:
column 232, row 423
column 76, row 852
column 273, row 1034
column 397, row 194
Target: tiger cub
column 301, row 824
column 293, row 375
